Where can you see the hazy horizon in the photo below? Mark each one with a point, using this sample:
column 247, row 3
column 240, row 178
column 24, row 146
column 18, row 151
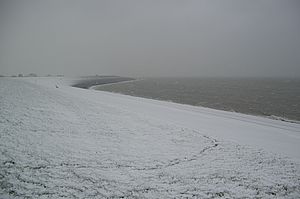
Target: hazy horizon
column 151, row 39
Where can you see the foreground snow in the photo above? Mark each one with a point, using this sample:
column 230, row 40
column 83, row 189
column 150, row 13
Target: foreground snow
column 75, row 143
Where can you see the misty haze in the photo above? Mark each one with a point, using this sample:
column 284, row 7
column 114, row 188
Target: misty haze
column 149, row 99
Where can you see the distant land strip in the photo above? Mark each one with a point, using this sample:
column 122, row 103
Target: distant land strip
column 93, row 81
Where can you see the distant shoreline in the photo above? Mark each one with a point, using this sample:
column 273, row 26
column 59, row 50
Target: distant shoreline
column 120, row 82
column 90, row 82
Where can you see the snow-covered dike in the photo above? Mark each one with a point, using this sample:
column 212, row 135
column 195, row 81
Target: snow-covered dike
column 68, row 142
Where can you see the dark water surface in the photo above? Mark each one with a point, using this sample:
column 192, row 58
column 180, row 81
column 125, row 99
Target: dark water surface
column 267, row 97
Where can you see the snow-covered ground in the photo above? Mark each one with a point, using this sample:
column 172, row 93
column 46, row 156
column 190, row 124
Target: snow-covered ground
column 76, row 143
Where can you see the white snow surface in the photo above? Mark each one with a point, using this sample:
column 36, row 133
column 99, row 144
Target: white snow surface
column 68, row 142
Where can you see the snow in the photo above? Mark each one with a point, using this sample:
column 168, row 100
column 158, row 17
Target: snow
column 76, row 143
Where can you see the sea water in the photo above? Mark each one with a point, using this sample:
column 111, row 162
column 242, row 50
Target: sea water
column 256, row 96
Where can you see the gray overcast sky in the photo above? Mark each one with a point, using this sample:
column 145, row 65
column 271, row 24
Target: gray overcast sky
column 150, row 38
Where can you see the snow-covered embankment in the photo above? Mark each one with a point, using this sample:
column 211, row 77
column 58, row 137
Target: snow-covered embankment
column 71, row 142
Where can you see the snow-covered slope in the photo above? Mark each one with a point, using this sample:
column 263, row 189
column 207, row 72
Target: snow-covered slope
column 76, row 143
